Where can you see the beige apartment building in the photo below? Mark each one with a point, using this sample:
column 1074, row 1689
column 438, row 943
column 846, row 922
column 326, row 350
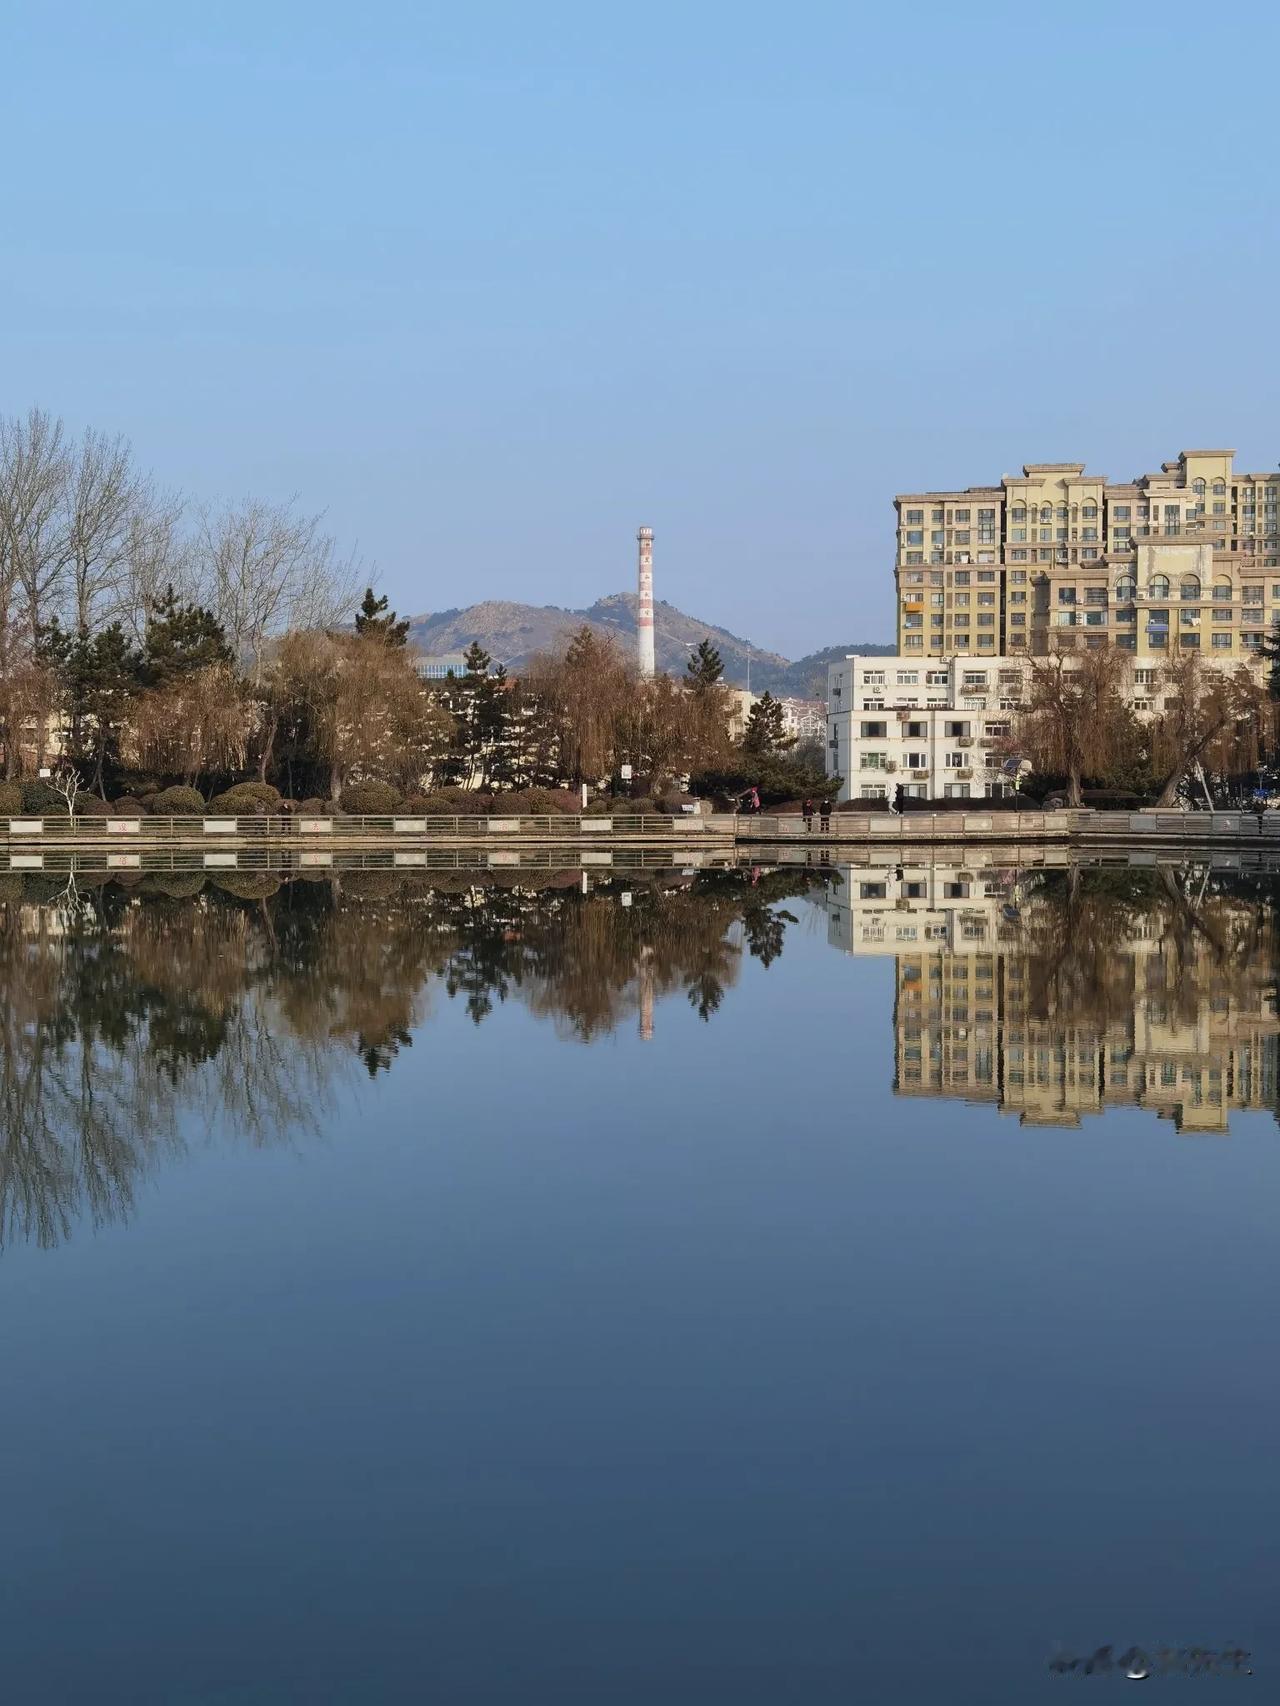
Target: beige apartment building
column 1184, row 559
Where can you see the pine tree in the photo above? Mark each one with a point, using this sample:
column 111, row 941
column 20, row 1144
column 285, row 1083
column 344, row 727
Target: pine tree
column 765, row 729
column 180, row 639
column 706, row 667
column 375, row 620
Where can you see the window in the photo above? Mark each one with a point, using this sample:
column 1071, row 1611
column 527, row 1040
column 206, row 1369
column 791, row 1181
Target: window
column 915, row 556
column 917, row 761
column 986, row 598
column 956, row 791
column 1223, row 613
column 959, row 515
column 1222, row 592
column 1018, row 618
column 974, row 681
column 1145, row 677
column 875, row 761
column 873, row 791
column 1219, row 488
column 1190, row 587
column 1197, row 486
column 875, row 731
column 873, row 891
column 1251, row 594
column 962, row 536
column 986, row 577
column 1120, row 512
column 915, row 518
column 1126, row 588
column 1018, row 577
column 961, row 577
column 915, row 536
column 955, row 730
column 908, row 678
column 873, row 678
column 1222, row 642
column 1158, row 586
column 1018, row 513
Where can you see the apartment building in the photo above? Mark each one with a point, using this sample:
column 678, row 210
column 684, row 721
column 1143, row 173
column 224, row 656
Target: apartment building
column 937, row 729
column 1184, row 559
column 940, row 728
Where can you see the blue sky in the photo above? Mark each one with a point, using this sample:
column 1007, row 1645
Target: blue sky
column 493, row 284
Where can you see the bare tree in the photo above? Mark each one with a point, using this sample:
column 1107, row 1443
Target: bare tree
column 33, row 532
column 156, row 556
column 265, row 569
column 102, row 497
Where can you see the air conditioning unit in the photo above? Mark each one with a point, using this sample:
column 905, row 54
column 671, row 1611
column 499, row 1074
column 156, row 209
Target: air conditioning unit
column 964, row 775
column 965, row 740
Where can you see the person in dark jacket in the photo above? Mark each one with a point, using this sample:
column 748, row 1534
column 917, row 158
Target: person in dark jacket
column 807, row 812
column 824, row 820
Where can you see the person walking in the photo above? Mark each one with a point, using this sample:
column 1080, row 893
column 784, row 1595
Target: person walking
column 753, row 801
column 807, row 811
column 824, row 817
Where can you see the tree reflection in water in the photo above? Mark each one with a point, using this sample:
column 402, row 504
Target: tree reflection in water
column 140, row 1008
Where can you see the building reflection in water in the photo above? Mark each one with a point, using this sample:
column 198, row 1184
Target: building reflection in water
column 1054, row 993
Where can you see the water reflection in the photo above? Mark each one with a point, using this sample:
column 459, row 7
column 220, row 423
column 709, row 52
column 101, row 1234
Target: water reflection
column 140, row 1009
column 1057, row 993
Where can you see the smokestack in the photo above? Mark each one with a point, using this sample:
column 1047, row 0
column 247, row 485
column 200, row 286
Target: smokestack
column 644, row 606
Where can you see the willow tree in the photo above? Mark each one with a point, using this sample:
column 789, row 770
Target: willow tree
column 1207, row 716
column 1077, row 721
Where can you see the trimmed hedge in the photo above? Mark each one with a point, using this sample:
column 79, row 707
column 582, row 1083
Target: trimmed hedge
column 10, row 799
column 128, row 807
column 370, row 799
column 40, row 800
column 178, row 802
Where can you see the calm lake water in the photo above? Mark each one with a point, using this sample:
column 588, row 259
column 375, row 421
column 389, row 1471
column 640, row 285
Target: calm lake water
column 816, row 1284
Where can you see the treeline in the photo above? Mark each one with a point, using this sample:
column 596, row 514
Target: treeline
column 169, row 657
column 1088, row 720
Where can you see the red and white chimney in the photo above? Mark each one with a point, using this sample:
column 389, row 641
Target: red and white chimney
column 644, row 606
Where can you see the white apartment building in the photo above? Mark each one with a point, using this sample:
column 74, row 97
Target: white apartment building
column 940, row 727
column 935, row 726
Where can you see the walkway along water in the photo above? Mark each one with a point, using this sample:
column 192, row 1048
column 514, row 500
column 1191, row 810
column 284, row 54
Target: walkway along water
column 27, row 836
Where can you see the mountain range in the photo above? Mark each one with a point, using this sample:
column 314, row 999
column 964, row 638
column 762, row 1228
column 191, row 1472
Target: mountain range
column 513, row 633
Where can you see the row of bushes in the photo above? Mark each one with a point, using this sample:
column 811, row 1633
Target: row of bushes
column 260, row 799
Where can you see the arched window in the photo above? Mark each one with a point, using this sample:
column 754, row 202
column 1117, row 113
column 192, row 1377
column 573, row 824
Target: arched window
column 1158, row 586
column 1126, row 587
column 1190, row 587
column 1089, row 512
column 1046, row 515
column 1197, row 486
column 1222, row 592
column 1219, row 488
column 1062, row 512
column 1020, row 513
